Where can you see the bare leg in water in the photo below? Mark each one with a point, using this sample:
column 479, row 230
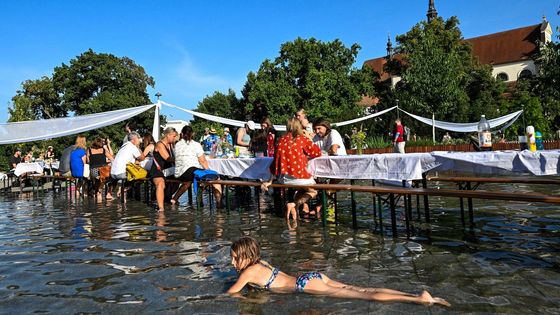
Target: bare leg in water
column 333, row 288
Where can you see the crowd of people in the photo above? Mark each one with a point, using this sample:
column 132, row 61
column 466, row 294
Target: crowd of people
column 177, row 155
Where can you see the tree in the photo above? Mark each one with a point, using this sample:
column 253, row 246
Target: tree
column 94, row 83
column 219, row 104
column 90, row 83
column 36, row 100
column 546, row 85
column 311, row 74
column 440, row 76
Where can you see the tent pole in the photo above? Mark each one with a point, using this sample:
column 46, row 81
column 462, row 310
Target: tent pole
column 155, row 128
column 434, row 127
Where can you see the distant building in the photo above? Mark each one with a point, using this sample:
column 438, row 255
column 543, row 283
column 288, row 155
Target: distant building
column 511, row 53
column 177, row 124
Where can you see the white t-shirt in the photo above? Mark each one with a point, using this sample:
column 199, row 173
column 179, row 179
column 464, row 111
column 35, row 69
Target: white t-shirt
column 186, row 156
column 127, row 154
column 332, row 138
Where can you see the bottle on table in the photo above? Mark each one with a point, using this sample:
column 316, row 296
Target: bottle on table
column 484, row 134
column 538, row 140
column 531, row 139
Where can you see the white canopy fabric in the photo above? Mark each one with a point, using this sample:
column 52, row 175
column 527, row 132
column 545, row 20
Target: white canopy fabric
column 239, row 123
column 26, row 131
column 466, row 127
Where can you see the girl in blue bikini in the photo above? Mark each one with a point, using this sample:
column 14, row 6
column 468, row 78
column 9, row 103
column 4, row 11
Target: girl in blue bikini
column 245, row 257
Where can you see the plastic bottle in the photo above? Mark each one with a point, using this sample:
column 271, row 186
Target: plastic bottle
column 531, row 138
column 484, row 134
column 538, row 140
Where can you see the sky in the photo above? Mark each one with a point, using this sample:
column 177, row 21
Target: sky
column 194, row 48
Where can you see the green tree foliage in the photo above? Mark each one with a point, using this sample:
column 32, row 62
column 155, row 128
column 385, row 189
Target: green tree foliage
column 36, row 100
column 311, row 74
column 547, row 82
column 97, row 82
column 219, row 104
column 440, row 75
column 90, row 83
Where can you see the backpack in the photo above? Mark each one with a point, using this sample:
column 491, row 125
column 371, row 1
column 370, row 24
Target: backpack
column 204, row 175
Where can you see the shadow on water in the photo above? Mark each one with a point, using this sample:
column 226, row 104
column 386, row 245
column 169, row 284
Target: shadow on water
column 80, row 256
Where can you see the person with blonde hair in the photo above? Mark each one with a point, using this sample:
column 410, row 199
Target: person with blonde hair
column 290, row 164
column 78, row 160
column 163, row 164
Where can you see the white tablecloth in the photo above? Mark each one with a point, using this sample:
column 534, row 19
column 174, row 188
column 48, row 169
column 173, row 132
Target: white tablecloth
column 34, row 167
column 408, row 166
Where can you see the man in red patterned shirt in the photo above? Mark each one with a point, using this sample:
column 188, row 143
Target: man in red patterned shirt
column 290, row 164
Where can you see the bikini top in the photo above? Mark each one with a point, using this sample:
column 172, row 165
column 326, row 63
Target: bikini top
column 275, row 272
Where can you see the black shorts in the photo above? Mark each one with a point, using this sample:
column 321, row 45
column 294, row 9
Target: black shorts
column 188, row 175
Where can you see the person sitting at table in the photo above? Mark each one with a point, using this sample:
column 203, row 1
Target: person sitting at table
column 64, row 163
column 227, row 138
column 290, row 165
column 49, row 154
column 243, row 138
column 301, row 115
column 189, row 157
column 328, row 139
column 28, row 157
column 164, row 160
column 128, row 153
column 15, row 160
column 331, row 143
column 97, row 158
column 77, row 162
column 148, row 146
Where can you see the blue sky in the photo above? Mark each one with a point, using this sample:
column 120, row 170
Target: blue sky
column 193, row 48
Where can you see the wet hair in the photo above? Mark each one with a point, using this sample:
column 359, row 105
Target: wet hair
column 247, row 248
column 294, row 127
column 81, row 141
column 97, row 143
column 187, row 133
column 323, row 122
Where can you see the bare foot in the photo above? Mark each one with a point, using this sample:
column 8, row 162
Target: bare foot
column 427, row 299
column 173, row 202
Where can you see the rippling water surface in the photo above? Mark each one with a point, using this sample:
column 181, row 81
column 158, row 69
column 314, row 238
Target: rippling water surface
column 67, row 256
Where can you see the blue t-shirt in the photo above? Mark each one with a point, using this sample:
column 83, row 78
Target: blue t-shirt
column 76, row 163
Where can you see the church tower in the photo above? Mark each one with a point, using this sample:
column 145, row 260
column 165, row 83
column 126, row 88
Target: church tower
column 432, row 13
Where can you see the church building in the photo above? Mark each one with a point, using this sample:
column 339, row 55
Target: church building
column 511, row 53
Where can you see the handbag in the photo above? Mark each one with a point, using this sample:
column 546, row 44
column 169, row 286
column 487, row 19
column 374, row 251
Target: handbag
column 134, row 172
column 86, row 170
column 104, row 171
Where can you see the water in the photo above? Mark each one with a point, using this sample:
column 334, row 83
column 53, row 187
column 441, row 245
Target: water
column 64, row 256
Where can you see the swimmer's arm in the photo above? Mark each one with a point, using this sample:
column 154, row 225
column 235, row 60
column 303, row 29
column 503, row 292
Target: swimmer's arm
column 240, row 283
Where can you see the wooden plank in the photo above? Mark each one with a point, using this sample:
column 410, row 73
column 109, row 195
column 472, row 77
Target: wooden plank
column 498, row 180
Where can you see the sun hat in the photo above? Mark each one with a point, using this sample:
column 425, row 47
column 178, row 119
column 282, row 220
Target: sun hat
column 213, row 130
column 226, row 129
column 251, row 125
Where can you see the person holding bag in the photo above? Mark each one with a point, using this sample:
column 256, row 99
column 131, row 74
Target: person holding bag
column 162, row 166
column 128, row 153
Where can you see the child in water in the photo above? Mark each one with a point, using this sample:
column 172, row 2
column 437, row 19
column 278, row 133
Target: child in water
column 245, row 257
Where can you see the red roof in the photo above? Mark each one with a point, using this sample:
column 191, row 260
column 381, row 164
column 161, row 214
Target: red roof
column 498, row 48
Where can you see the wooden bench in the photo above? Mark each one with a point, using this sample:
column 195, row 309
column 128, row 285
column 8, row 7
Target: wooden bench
column 392, row 191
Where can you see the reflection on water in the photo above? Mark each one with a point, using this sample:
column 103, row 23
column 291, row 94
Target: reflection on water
column 73, row 256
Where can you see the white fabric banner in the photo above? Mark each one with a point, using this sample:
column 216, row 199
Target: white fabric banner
column 26, row 131
column 465, row 127
column 239, row 123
